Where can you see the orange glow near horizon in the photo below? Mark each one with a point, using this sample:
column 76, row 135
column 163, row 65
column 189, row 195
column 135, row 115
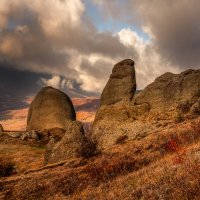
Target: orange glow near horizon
column 17, row 118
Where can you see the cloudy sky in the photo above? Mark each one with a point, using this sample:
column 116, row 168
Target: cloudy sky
column 73, row 44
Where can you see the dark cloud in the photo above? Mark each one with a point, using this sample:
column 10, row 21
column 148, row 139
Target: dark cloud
column 24, row 44
column 56, row 41
column 58, row 38
column 174, row 26
column 176, row 29
column 15, row 87
column 101, row 68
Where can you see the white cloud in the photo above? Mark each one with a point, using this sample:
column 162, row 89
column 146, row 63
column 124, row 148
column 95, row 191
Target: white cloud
column 55, row 82
column 149, row 63
column 56, row 37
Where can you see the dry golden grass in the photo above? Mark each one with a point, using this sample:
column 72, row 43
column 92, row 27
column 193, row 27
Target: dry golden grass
column 26, row 156
column 163, row 165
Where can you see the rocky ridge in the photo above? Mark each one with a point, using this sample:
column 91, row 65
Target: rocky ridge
column 169, row 99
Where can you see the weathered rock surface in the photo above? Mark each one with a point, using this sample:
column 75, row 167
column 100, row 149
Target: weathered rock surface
column 1, row 128
column 73, row 144
column 121, row 85
column 169, row 97
column 54, row 133
column 171, row 93
column 14, row 134
column 41, row 138
column 31, row 135
column 51, row 108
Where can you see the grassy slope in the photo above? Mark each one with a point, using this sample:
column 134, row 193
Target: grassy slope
column 163, row 165
column 25, row 155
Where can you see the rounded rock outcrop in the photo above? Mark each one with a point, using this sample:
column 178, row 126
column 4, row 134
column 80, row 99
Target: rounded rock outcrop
column 121, row 85
column 73, row 145
column 171, row 93
column 51, row 108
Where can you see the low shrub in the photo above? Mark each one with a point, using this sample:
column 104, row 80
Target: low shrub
column 184, row 107
column 7, row 167
column 89, row 149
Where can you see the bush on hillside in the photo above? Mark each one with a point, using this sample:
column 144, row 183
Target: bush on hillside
column 7, row 167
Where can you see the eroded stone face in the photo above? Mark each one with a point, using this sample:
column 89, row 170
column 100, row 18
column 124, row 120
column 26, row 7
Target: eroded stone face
column 51, row 108
column 121, row 85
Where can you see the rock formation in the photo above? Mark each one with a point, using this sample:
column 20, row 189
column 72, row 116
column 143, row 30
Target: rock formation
column 170, row 98
column 51, row 108
column 51, row 113
column 74, row 144
column 171, row 93
column 121, row 85
column 1, row 128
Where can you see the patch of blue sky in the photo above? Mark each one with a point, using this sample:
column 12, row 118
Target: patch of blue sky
column 104, row 24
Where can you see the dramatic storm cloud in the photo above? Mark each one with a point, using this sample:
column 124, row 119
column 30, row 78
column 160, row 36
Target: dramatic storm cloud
column 72, row 45
column 173, row 27
column 55, row 37
column 76, row 42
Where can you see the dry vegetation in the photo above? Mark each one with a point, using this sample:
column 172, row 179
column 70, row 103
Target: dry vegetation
column 7, row 167
column 163, row 165
column 26, row 155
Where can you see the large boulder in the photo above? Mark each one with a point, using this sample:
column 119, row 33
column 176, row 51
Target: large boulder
column 119, row 121
column 51, row 108
column 73, row 145
column 170, row 94
column 170, row 98
column 121, row 85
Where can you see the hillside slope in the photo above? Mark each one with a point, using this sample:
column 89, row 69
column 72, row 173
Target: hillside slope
column 161, row 165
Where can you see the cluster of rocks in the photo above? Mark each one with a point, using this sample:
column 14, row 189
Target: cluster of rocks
column 133, row 115
column 52, row 109
column 123, row 112
column 26, row 135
